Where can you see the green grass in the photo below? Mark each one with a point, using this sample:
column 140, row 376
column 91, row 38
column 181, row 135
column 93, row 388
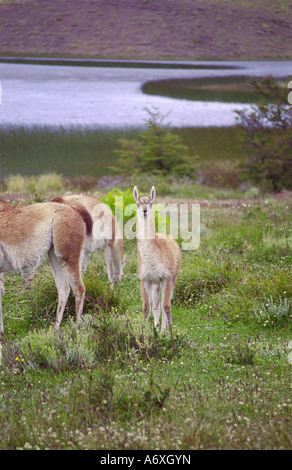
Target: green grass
column 222, row 381
column 91, row 153
column 70, row 152
column 88, row 62
column 236, row 89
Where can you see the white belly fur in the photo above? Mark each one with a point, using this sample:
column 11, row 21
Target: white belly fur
column 151, row 269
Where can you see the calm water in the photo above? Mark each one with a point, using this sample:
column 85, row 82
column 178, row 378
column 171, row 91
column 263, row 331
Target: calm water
column 56, row 95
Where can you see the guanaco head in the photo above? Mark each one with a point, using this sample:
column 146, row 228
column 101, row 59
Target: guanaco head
column 144, row 203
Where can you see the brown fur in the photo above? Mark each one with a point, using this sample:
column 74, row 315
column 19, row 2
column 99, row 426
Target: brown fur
column 28, row 233
column 159, row 260
column 82, row 211
column 112, row 246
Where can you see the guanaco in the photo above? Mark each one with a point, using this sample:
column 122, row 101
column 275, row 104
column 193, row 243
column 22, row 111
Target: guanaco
column 106, row 234
column 28, row 233
column 159, row 258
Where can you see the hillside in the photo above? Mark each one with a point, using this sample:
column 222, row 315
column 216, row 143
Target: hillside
column 147, row 29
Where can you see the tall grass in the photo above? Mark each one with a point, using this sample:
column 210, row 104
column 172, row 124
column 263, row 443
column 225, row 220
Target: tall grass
column 70, row 152
column 91, row 152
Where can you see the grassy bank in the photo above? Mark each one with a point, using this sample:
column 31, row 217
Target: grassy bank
column 71, row 152
column 234, row 89
column 91, row 152
column 222, row 381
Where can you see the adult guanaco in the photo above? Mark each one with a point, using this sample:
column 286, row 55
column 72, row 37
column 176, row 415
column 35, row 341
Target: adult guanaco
column 28, row 233
column 106, row 234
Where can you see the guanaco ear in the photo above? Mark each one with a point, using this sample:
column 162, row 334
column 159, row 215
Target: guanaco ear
column 152, row 193
column 135, row 193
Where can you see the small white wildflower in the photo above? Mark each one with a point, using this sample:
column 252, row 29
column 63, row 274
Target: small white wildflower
column 27, row 445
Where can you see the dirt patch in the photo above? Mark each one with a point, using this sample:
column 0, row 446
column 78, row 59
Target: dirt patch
column 147, row 29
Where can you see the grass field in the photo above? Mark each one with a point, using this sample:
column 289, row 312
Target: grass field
column 222, row 381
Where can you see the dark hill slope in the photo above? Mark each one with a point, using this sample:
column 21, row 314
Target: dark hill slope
column 147, row 29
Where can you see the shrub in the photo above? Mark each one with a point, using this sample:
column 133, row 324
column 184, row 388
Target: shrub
column 70, row 348
column 114, row 204
column 49, row 182
column 220, row 174
column 158, row 151
column 20, row 184
column 42, row 184
column 273, row 312
column 268, row 139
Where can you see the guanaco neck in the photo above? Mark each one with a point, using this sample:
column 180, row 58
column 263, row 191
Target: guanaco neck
column 145, row 228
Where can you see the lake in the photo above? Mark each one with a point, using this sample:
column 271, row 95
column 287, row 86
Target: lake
column 100, row 95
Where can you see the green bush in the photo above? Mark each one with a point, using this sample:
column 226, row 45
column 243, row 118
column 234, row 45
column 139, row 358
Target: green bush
column 268, row 139
column 70, row 348
column 42, row 184
column 111, row 199
column 273, row 312
column 158, row 151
